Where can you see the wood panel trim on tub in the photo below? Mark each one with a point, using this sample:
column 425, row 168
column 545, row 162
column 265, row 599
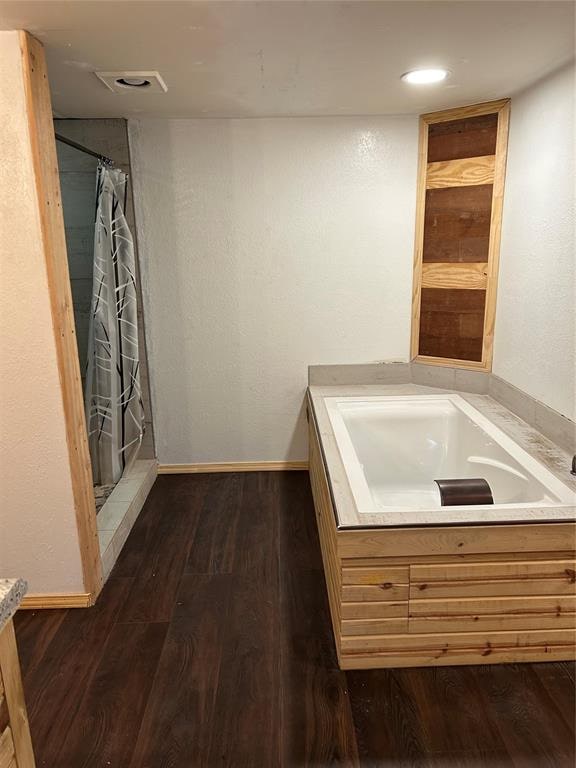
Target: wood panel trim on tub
column 491, row 588
column 480, row 641
column 41, row 133
column 492, row 606
column 456, row 540
column 456, row 657
column 520, row 569
column 488, row 622
column 326, row 523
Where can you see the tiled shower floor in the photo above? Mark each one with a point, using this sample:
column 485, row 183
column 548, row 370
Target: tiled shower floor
column 101, row 493
column 120, row 510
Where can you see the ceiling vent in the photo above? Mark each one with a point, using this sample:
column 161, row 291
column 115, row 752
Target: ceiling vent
column 124, row 81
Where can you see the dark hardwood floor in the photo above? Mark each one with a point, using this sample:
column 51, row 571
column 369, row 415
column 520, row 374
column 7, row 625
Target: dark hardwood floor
column 211, row 645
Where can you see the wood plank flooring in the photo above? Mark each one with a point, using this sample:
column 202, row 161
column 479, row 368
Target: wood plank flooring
column 211, row 645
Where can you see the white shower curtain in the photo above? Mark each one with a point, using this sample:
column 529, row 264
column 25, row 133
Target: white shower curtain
column 114, row 411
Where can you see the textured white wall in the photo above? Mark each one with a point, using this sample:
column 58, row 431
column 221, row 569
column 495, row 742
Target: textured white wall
column 267, row 245
column 38, row 534
column 535, row 322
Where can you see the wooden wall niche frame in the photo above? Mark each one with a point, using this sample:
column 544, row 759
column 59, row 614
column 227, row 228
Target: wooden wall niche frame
column 462, row 166
column 42, row 139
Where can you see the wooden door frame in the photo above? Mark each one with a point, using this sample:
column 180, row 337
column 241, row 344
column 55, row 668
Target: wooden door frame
column 47, row 182
column 502, row 108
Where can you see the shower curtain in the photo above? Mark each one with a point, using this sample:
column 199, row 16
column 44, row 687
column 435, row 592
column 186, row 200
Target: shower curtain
column 114, row 412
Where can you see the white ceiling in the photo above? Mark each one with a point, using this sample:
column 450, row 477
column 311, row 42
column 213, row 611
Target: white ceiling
column 282, row 57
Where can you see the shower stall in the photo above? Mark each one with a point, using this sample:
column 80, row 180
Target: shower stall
column 99, row 227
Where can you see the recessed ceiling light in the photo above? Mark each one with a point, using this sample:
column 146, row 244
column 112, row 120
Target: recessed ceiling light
column 133, row 82
column 425, row 76
column 123, row 81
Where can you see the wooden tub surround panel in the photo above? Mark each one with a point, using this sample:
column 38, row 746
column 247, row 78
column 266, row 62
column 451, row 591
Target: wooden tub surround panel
column 327, row 531
column 408, row 597
column 462, row 163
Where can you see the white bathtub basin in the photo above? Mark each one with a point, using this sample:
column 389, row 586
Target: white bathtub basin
column 394, row 447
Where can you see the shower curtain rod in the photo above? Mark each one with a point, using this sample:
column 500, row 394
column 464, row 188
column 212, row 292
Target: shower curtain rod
column 75, row 144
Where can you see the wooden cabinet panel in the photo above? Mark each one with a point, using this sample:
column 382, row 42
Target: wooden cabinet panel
column 452, row 323
column 462, row 160
column 468, row 137
column 457, row 224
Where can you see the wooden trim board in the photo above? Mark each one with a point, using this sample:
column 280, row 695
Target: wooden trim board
column 460, row 173
column 451, row 540
column 232, row 466
column 41, row 133
column 14, row 693
column 495, row 233
column 419, row 236
column 471, row 110
column 450, row 362
column 472, row 276
column 485, row 169
column 455, row 657
column 55, row 600
column 7, row 756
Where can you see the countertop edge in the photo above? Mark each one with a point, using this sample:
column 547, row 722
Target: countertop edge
column 12, row 592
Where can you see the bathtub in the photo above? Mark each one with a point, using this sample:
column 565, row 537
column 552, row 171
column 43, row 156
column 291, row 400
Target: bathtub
column 393, row 448
column 413, row 583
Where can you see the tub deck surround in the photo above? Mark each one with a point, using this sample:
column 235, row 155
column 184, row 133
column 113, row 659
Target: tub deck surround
column 554, row 459
column 548, row 422
column 418, row 593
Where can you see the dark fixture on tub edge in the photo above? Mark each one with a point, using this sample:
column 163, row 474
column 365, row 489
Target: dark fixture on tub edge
column 573, row 470
column 464, row 491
